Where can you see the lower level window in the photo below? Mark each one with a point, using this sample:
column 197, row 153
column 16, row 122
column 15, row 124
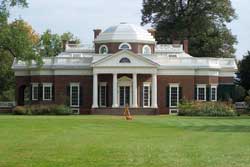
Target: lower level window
column 47, row 91
column 34, row 91
column 214, row 93
column 146, row 94
column 103, row 94
column 201, row 92
column 174, row 95
column 74, row 94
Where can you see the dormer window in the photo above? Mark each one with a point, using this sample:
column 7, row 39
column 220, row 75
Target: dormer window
column 125, row 60
column 146, row 49
column 103, row 49
column 125, row 46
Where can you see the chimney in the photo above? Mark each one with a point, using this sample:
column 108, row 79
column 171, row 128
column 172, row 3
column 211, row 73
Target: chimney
column 152, row 32
column 185, row 45
column 97, row 32
column 176, row 42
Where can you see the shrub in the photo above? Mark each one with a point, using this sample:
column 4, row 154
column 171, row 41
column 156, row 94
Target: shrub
column 20, row 110
column 206, row 109
column 42, row 110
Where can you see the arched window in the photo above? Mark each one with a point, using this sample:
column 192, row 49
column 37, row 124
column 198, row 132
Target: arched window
column 146, row 49
column 125, row 46
column 125, row 60
column 103, row 49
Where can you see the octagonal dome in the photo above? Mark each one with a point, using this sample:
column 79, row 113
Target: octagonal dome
column 125, row 32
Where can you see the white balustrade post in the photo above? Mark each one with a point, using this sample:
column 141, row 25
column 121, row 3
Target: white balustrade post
column 115, row 104
column 154, row 91
column 135, row 104
column 95, row 91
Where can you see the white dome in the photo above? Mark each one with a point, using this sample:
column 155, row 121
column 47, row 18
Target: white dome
column 125, row 33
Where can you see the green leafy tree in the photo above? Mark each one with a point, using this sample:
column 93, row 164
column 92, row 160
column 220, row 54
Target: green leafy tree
column 202, row 22
column 244, row 71
column 52, row 44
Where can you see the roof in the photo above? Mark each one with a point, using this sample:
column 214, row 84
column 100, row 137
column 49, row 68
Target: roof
column 125, row 32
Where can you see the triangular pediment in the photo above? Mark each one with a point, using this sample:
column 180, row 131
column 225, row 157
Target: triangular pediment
column 124, row 59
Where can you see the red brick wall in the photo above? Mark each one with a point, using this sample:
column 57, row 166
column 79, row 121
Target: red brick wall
column 114, row 47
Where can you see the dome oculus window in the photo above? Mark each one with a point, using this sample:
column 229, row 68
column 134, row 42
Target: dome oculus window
column 125, row 60
column 103, row 49
column 125, row 46
column 146, row 49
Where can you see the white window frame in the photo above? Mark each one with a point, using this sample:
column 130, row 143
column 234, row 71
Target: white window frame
column 50, row 86
column 203, row 86
column 74, row 85
column 125, row 43
column 174, row 85
column 33, row 91
column 100, row 85
column 146, row 47
column 211, row 88
column 147, row 84
column 100, row 48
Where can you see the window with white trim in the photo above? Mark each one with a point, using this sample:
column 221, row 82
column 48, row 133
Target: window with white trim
column 213, row 93
column 201, row 92
column 146, row 49
column 74, row 94
column 125, row 46
column 146, row 94
column 103, row 94
column 103, row 49
column 35, row 89
column 47, row 91
column 173, row 95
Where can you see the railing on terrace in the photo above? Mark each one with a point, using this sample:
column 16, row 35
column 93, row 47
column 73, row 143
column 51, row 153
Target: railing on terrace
column 174, row 48
column 165, row 61
column 79, row 48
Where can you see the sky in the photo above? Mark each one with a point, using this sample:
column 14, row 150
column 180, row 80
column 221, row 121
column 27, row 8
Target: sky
column 82, row 16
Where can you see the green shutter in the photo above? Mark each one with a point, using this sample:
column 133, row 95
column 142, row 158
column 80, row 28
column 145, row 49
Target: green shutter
column 167, row 96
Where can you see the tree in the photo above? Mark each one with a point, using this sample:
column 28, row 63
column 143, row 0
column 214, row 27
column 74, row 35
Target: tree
column 244, row 71
column 52, row 44
column 203, row 23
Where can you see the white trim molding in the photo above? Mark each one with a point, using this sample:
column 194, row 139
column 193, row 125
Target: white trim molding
column 201, row 86
column 215, row 87
column 174, row 85
column 35, row 85
column 148, row 85
column 125, row 43
column 103, row 46
column 146, row 49
column 103, row 84
column 47, row 85
column 78, row 94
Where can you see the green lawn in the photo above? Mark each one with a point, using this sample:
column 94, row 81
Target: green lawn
column 109, row 141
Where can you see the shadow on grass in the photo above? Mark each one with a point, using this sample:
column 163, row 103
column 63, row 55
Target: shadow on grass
column 219, row 128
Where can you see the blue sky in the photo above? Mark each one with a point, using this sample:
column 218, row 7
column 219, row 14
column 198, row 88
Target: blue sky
column 82, row 16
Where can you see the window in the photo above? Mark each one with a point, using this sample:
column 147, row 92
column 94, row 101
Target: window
column 174, row 95
column 74, row 94
column 146, row 94
column 125, row 46
column 125, row 60
column 103, row 49
column 34, row 91
column 213, row 93
column 103, row 94
column 47, row 91
column 201, row 92
column 146, row 49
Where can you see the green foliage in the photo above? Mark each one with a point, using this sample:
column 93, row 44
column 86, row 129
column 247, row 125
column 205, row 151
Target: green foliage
column 52, row 44
column 203, row 23
column 244, row 71
column 240, row 93
column 42, row 110
column 216, row 109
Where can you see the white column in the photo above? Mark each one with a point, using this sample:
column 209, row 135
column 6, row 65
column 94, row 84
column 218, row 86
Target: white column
column 154, row 91
column 135, row 104
column 95, row 91
column 115, row 104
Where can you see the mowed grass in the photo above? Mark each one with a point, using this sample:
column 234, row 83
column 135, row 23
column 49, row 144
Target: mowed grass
column 110, row 141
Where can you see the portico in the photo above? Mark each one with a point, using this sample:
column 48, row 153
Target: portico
column 124, row 88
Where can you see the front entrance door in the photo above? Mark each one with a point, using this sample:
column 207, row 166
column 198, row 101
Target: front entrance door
column 124, row 92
